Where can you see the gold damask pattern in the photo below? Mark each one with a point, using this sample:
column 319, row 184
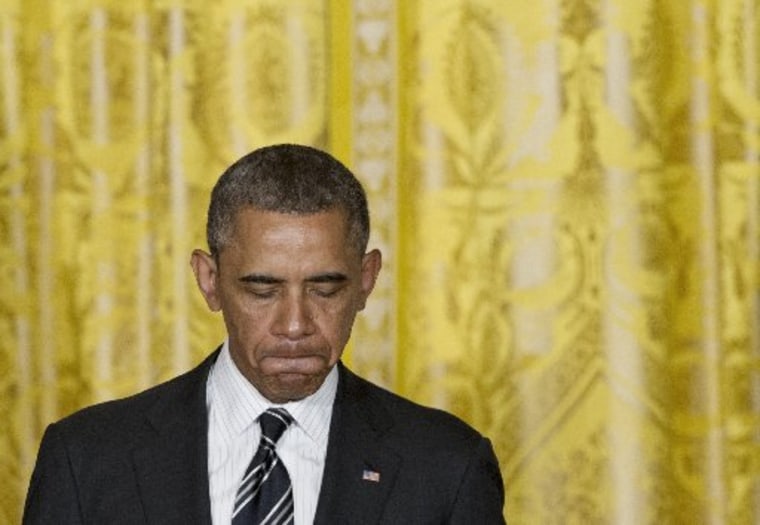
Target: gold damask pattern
column 579, row 255
column 566, row 193
column 117, row 119
column 373, row 155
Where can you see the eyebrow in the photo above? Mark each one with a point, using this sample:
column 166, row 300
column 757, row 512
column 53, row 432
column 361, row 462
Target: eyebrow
column 327, row 277
column 257, row 278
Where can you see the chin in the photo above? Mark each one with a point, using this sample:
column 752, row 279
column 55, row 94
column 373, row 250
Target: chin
column 292, row 387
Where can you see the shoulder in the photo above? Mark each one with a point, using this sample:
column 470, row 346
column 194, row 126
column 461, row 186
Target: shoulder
column 126, row 417
column 86, row 463
column 445, row 465
column 392, row 414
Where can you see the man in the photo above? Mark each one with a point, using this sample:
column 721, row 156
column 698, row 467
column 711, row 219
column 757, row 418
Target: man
column 287, row 266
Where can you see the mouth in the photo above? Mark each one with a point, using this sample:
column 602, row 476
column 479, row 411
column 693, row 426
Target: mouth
column 295, row 365
column 283, row 375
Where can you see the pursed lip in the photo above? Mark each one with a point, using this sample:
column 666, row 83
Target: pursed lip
column 292, row 364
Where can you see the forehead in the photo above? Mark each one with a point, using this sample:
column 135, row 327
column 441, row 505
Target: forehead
column 252, row 220
column 254, row 229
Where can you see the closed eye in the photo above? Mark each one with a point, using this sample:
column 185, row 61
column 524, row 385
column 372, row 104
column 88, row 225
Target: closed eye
column 261, row 286
column 328, row 284
column 262, row 293
column 326, row 291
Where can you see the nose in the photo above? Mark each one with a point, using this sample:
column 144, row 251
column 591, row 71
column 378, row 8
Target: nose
column 293, row 318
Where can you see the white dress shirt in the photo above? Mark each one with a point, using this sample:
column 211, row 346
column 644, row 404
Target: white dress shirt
column 233, row 436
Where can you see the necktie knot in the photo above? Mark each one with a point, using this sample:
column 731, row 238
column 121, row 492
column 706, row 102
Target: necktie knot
column 274, row 422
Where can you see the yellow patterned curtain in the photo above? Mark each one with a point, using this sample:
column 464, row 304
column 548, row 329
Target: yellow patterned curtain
column 567, row 193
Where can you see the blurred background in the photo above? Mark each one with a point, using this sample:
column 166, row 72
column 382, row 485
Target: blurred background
column 566, row 192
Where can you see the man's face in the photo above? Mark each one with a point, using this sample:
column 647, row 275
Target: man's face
column 289, row 287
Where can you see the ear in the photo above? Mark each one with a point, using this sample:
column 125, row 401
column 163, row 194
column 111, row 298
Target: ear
column 206, row 274
column 371, row 264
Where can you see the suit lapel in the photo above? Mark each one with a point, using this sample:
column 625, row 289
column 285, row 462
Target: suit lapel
column 171, row 467
column 359, row 470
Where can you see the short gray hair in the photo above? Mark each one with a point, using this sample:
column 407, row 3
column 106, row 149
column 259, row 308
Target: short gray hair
column 287, row 178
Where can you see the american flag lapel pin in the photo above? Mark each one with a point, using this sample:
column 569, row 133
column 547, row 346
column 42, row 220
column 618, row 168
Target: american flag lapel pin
column 370, row 475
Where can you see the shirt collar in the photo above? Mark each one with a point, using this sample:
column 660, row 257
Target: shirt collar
column 240, row 404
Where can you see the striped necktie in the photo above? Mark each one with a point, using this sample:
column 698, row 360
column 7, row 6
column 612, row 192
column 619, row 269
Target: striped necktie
column 265, row 495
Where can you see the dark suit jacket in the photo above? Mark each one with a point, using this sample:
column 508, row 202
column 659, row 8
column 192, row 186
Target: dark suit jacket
column 144, row 460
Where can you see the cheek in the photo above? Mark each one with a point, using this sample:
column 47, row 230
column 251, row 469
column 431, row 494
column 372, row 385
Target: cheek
column 338, row 325
column 241, row 318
